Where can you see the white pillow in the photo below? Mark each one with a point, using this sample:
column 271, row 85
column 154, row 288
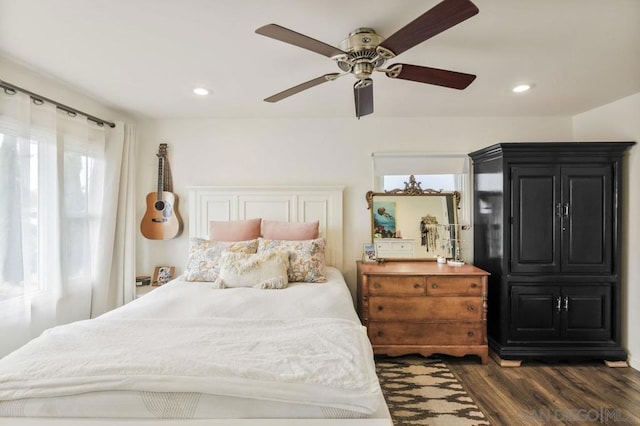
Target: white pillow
column 262, row 270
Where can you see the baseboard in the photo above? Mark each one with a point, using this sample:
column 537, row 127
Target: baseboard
column 633, row 363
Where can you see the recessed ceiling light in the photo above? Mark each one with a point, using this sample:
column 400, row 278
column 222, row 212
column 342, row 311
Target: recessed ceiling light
column 522, row 88
column 201, row 91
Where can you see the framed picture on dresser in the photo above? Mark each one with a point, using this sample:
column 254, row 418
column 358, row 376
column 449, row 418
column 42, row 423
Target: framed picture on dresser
column 369, row 253
column 384, row 219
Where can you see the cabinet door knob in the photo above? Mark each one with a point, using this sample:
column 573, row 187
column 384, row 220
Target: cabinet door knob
column 470, row 308
column 434, row 285
column 380, row 334
column 416, row 285
column 376, row 285
column 470, row 333
column 380, row 307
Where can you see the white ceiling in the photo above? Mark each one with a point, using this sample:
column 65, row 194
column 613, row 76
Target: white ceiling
column 145, row 56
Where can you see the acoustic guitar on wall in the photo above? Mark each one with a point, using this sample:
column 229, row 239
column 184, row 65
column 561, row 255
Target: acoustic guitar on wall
column 161, row 220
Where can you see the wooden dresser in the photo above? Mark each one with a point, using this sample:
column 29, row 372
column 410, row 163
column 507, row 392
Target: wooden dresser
column 424, row 307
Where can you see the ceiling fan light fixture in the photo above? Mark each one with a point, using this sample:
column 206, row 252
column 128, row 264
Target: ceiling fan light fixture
column 364, row 52
column 362, row 70
column 201, row 91
column 521, row 88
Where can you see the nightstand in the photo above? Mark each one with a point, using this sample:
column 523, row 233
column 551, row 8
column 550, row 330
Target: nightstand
column 141, row 290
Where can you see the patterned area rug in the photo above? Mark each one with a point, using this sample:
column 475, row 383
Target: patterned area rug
column 423, row 391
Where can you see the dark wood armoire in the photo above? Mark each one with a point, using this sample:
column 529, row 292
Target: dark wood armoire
column 547, row 226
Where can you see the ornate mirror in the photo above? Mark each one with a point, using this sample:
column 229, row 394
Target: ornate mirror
column 414, row 223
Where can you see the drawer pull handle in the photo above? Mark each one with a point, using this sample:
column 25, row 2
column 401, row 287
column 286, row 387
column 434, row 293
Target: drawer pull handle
column 416, row 285
column 380, row 334
column 474, row 285
column 434, row 285
column 470, row 333
column 376, row 285
column 470, row 308
column 380, row 307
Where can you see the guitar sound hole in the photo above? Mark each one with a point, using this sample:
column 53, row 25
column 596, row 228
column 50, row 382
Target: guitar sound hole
column 159, row 205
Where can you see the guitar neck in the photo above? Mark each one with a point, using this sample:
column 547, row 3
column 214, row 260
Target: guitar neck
column 168, row 179
column 160, row 178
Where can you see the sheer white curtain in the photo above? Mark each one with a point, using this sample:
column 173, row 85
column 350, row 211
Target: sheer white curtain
column 64, row 252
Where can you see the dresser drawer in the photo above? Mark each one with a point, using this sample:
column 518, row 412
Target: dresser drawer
column 424, row 308
column 444, row 285
column 396, row 285
column 442, row 333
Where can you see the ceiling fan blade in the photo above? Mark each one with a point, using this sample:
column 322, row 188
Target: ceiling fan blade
column 442, row 16
column 289, row 36
column 300, row 87
column 363, row 96
column 446, row 78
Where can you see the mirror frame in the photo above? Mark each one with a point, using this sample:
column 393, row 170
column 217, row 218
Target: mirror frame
column 414, row 189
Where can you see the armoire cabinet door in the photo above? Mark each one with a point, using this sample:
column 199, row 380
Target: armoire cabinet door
column 535, row 312
column 562, row 219
column 586, row 312
column 554, row 312
column 535, row 236
column 587, row 223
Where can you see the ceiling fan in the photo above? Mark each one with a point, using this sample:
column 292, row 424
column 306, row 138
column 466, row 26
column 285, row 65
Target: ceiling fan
column 365, row 51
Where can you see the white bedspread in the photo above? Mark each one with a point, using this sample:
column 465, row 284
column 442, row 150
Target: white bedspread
column 181, row 299
column 302, row 344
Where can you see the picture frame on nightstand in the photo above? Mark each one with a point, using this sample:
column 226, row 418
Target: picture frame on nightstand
column 163, row 274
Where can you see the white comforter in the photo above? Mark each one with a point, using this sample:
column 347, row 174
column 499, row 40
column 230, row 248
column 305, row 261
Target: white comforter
column 302, row 344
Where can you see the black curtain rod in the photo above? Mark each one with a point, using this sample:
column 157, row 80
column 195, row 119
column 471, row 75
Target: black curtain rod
column 11, row 89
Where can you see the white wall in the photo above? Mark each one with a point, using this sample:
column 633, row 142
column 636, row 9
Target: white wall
column 47, row 86
column 620, row 121
column 308, row 152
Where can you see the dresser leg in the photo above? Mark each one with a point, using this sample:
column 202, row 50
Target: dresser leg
column 484, row 356
column 505, row 362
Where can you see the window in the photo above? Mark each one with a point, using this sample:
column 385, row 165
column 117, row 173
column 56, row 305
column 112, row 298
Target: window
column 19, row 252
column 49, row 211
column 437, row 171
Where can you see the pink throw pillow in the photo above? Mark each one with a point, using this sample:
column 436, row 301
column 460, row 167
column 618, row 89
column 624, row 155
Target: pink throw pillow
column 289, row 231
column 234, row 230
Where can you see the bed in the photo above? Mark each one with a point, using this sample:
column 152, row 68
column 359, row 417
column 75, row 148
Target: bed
column 188, row 353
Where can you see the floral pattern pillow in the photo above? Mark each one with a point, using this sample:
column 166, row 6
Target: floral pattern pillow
column 267, row 270
column 204, row 256
column 306, row 258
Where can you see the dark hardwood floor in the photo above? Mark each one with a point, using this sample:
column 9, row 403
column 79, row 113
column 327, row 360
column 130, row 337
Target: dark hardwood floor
column 555, row 393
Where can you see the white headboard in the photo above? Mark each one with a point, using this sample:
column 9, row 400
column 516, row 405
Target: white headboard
column 286, row 203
